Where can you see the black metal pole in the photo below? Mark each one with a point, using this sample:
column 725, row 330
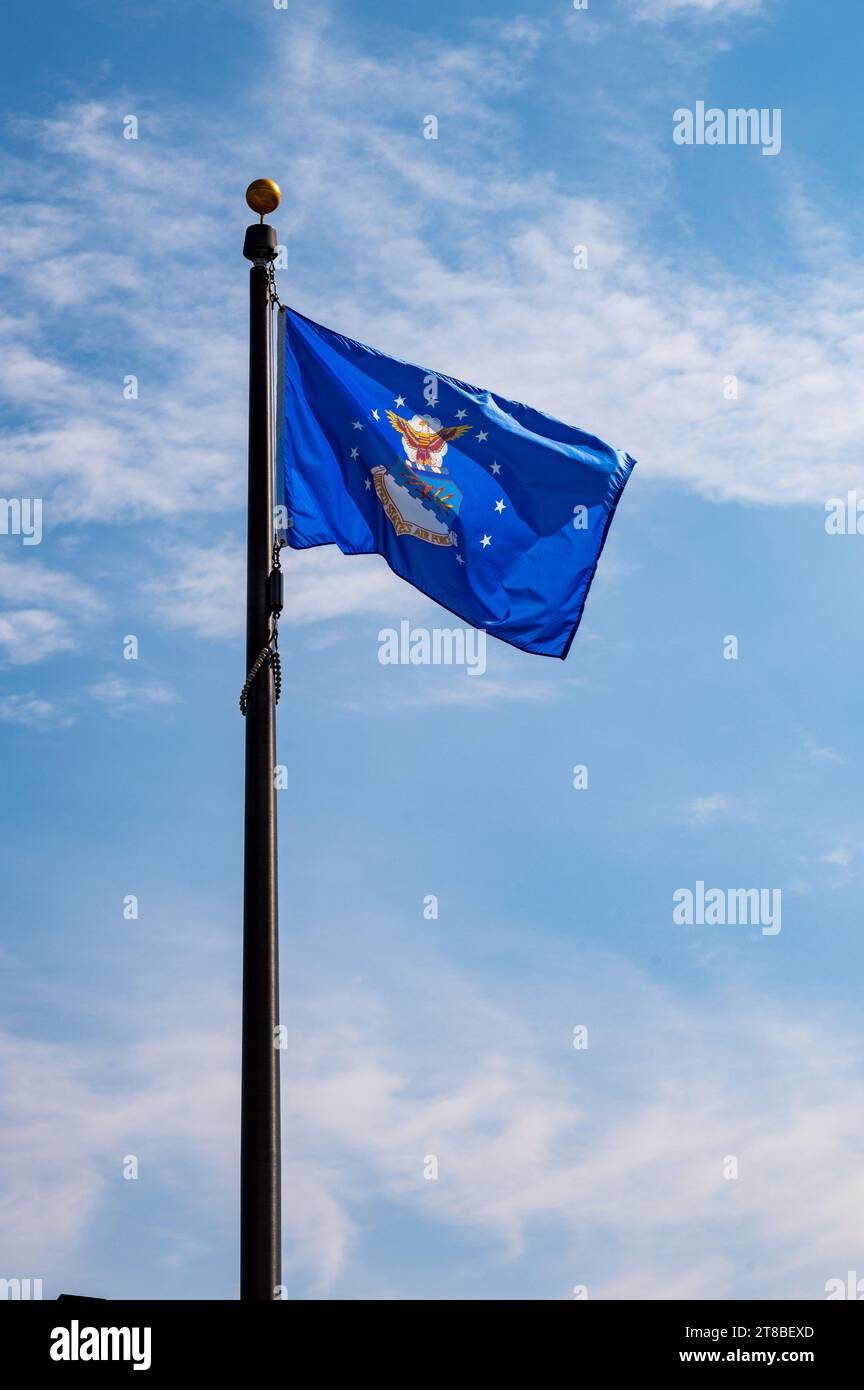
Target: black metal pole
column 260, row 1143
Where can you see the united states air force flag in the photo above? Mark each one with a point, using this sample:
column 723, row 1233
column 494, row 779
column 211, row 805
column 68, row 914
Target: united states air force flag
column 494, row 510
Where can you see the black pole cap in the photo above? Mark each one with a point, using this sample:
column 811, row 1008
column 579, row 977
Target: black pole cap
column 260, row 244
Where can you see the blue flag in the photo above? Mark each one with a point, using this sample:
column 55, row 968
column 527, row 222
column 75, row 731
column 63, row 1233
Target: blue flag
column 492, row 509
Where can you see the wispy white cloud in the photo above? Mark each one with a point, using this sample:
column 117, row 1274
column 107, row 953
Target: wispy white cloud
column 200, row 587
column 203, row 588
column 28, row 635
column 703, row 808
column 841, row 856
column 29, row 632
column 26, row 579
column 323, row 583
column 659, row 11
column 717, row 806
column 479, row 691
column 121, row 696
column 68, row 1129
column 819, row 753
column 33, row 712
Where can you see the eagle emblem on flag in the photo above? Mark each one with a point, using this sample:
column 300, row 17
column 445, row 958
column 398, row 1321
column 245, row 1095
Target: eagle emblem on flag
column 424, row 440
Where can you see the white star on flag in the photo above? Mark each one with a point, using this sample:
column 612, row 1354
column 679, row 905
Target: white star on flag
column 355, row 425
column 481, row 435
column 460, row 414
column 400, row 400
column 499, row 506
column 487, row 540
column 355, row 453
column 496, row 468
column 375, row 415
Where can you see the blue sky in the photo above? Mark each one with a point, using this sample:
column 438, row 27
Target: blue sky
column 410, row 1037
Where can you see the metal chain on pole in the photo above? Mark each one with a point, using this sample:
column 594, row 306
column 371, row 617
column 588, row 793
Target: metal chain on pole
column 271, row 286
column 271, row 654
column 271, row 651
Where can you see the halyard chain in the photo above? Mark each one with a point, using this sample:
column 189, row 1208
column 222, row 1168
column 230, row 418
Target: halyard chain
column 271, row 286
column 269, row 653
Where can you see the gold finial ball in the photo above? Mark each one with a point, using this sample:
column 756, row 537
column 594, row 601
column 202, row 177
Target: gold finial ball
column 263, row 196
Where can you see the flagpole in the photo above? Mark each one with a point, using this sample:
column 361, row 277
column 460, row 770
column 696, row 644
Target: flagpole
column 260, row 1141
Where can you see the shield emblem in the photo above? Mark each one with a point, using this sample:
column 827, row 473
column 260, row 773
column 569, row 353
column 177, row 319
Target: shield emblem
column 418, row 502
